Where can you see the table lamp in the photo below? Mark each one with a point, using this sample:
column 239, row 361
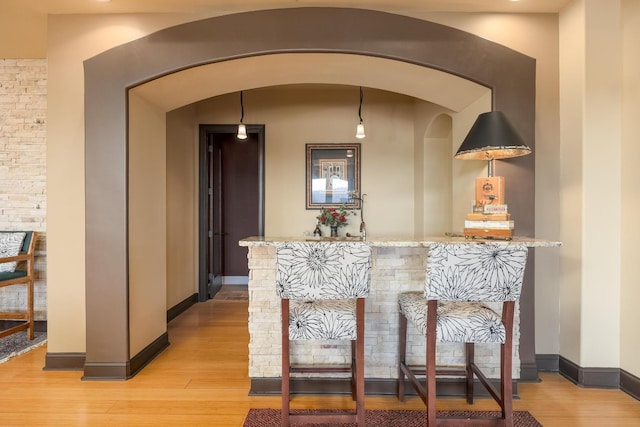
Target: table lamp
column 491, row 137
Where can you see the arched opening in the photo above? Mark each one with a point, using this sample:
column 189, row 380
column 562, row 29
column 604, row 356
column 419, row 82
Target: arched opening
column 121, row 299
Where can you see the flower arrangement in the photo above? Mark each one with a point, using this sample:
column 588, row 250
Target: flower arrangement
column 334, row 217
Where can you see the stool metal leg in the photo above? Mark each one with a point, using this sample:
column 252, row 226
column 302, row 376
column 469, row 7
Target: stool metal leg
column 470, row 357
column 402, row 355
column 360, row 414
column 285, row 362
column 506, row 362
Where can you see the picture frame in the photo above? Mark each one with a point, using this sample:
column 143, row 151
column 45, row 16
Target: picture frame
column 332, row 175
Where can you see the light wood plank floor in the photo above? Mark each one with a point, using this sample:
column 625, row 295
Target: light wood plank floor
column 201, row 379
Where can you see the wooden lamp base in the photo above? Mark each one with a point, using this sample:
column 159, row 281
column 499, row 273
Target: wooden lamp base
column 489, row 233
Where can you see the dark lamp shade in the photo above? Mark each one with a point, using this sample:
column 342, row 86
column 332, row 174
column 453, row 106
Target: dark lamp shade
column 492, row 137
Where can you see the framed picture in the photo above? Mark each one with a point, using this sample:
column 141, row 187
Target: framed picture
column 333, row 175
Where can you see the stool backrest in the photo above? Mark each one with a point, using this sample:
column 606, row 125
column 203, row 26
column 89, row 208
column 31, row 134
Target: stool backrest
column 475, row 272
column 323, row 270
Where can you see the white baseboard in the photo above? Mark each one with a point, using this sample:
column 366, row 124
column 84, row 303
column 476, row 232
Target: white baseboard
column 235, row 280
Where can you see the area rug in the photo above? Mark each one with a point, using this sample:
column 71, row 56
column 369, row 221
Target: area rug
column 380, row 418
column 17, row 344
column 232, row 293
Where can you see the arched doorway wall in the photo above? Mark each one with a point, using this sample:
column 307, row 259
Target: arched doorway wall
column 110, row 75
column 437, row 144
column 193, row 84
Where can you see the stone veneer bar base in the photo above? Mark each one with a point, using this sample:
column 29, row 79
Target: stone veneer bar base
column 397, row 267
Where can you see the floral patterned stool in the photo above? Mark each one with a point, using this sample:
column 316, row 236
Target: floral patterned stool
column 322, row 286
column 460, row 279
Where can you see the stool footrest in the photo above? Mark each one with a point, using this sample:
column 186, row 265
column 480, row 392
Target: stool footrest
column 447, row 371
column 14, row 329
column 15, row 315
column 319, row 369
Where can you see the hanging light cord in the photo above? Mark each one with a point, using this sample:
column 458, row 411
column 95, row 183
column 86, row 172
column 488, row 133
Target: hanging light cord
column 360, row 108
column 241, row 108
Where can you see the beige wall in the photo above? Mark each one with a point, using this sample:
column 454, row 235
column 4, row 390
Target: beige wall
column 630, row 271
column 591, row 43
column 291, row 113
column 328, row 114
column 572, row 82
column 601, row 175
column 599, row 133
column 182, row 203
column 432, row 144
column 298, row 114
column 147, row 223
column 75, row 38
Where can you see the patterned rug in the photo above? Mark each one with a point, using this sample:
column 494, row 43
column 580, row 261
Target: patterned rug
column 17, row 344
column 380, row 418
column 233, row 293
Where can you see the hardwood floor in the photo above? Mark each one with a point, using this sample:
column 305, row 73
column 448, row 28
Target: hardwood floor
column 201, row 379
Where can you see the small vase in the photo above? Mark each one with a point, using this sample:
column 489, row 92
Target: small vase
column 334, row 231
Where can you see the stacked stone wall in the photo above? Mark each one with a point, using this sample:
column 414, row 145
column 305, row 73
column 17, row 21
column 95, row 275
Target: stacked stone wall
column 23, row 198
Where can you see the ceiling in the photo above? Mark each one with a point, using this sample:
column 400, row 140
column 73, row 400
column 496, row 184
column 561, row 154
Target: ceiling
column 24, row 23
column 199, row 6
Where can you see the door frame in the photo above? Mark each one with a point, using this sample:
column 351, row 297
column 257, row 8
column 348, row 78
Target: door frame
column 203, row 194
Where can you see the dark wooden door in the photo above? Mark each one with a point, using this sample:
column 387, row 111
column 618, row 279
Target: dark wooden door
column 232, row 202
column 214, row 216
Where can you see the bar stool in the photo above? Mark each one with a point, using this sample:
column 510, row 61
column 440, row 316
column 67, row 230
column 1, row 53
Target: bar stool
column 322, row 286
column 460, row 280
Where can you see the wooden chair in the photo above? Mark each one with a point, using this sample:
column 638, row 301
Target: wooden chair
column 18, row 269
column 322, row 286
column 460, row 280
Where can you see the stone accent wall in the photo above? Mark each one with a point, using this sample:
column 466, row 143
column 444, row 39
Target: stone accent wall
column 395, row 270
column 23, row 203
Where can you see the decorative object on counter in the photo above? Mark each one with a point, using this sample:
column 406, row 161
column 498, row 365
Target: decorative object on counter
column 334, row 218
column 491, row 137
column 332, row 173
column 354, row 195
column 317, row 232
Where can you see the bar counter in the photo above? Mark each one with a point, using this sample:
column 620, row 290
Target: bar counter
column 398, row 265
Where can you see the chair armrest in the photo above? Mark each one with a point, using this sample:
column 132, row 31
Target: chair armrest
column 20, row 257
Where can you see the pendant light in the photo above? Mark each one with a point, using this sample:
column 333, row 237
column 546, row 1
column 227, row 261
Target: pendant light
column 360, row 128
column 242, row 129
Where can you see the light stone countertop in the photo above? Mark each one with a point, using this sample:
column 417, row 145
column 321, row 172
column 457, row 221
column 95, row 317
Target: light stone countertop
column 403, row 242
